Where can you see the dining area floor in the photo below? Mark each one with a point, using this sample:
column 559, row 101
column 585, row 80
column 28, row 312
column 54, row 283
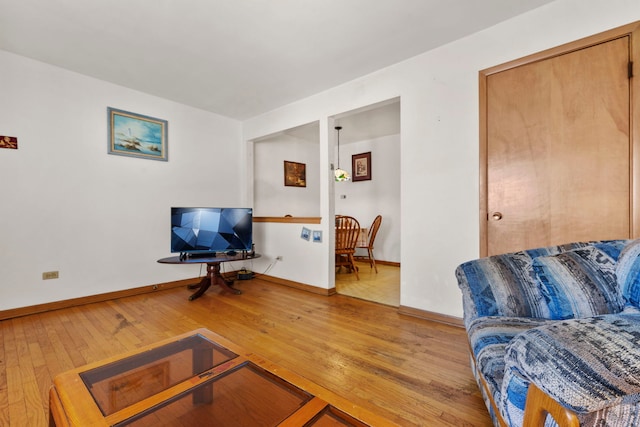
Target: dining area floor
column 382, row 287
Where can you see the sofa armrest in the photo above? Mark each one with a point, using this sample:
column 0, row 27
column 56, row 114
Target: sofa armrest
column 584, row 364
column 539, row 405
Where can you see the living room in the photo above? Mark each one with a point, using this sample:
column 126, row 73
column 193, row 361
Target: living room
column 64, row 188
column 102, row 221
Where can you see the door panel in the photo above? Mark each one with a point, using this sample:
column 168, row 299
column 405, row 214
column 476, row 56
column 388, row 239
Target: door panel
column 558, row 150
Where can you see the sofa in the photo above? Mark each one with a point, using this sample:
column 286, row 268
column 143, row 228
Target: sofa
column 554, row 333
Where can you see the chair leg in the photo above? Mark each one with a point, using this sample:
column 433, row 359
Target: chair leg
column 372, row 261
column 352, row 261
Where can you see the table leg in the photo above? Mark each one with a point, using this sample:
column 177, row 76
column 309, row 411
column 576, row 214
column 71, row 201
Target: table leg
column 205, row 283
column 57, row 416
column 202, row 360
column 214, row 278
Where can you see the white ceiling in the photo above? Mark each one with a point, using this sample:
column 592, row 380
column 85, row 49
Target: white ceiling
column 239, row 58
column 372, row 121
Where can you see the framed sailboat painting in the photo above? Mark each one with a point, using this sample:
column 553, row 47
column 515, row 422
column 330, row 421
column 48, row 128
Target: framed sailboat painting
column 136, row 135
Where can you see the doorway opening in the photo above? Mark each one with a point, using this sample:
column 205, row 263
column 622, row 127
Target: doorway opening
column 371, row 133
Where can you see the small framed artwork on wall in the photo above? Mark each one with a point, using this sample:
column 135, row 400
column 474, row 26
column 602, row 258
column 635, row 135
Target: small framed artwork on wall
column 295, row 174
column 361, row 166
column 9, row 142
column 305, row 234
column 136, row 135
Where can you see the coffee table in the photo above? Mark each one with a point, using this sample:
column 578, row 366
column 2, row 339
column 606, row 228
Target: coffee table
column 197, row 378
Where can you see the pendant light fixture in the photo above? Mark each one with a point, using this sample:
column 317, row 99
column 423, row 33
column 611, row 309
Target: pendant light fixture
column 341, row 174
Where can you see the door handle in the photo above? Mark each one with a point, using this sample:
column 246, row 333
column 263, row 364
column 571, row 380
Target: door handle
column 496, row 216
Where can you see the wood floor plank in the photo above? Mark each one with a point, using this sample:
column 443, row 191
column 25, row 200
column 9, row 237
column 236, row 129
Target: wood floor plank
column 409, row 370
column 15, row 393
column 66, row 354
column 27, row 405
column 4, row 405
column 4, row 391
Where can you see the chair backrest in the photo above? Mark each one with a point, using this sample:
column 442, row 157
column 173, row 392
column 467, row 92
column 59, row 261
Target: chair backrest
column 347, row 231
column 373, row 231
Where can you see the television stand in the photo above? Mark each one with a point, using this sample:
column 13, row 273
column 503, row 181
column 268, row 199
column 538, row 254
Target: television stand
column 213, row 277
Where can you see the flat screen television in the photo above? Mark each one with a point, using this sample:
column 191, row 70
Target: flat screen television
column 210, row 230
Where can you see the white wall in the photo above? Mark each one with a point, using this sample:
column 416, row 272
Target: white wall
column 303, row 261
column 379, row 196
column 101, row 220
column 270, row 196
column 439, row 122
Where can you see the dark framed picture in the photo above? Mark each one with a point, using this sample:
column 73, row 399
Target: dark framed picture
column 361, row 166
column 9, row 142
column 295, row 174
column 135, row 135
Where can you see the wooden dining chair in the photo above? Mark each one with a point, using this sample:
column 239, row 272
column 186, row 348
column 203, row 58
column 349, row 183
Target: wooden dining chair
column 373, row 231
column 347, row 231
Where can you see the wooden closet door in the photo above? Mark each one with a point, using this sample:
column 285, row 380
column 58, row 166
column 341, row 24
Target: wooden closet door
column 558, row 150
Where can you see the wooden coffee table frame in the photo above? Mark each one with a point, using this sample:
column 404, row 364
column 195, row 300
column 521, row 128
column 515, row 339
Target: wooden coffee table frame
column 71, row 403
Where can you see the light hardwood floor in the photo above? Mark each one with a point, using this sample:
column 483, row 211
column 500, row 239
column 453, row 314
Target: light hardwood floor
column 382, row 287
column 410, row 370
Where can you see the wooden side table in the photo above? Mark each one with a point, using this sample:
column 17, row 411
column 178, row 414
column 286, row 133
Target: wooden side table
column 213, row 277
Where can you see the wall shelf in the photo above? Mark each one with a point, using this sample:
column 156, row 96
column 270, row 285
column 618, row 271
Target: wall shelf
column 289, row 219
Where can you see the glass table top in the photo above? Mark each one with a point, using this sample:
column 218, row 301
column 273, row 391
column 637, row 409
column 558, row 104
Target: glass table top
column 244, row 396
column 192, row 380
column 117, row 385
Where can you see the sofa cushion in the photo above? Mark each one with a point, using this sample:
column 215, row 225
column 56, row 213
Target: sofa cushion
column 506, row 285
column 585, row 364
column 500, row 285
column 628, row 272
column 613, row 248
column 503, row 285
column 579, row 283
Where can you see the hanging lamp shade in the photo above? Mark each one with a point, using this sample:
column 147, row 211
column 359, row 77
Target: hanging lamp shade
column 341, row 174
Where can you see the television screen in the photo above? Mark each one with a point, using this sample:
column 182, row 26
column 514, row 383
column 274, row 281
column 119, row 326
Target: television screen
column 206, row 230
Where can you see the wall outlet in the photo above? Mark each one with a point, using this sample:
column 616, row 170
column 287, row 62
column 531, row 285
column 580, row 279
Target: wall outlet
column 50, row 275
column 279, row 258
